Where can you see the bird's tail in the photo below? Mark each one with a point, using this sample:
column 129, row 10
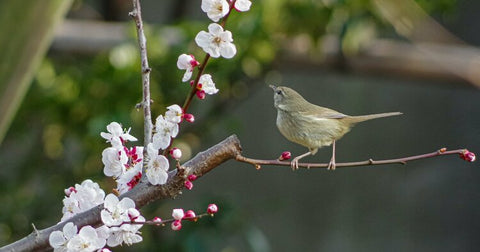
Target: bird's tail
column 357, row 119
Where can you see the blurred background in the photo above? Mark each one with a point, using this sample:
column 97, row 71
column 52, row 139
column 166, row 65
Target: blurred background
column 68, row 68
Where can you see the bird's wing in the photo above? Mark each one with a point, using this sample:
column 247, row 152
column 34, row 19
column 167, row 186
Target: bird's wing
column 322, row 113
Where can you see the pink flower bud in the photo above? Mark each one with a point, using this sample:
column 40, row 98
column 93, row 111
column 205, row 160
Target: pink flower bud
column 69, row 190
column 468, row 156
column 105, row 250
column 286, row 155
column 212, row 208
column 176, row 225
column 176, row 153
column 192, row 177
column 200, row 94
column 178, row 213
column 189, row 118
column 190, row 215
column 158, row 220
column 188, row 184
column 133, row 213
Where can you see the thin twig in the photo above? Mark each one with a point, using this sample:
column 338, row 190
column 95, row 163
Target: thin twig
column 193, row 89
column 163, row 222
column 259, row 162
column 201, row 68
column 136, row 14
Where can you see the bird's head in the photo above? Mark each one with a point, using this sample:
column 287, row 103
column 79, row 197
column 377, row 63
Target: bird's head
column 286, row 98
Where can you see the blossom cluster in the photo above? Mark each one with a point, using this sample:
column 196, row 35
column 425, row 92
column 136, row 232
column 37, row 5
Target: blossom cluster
column 81, row 198
column 120, row 162
column 121, row 223
column 115, row 213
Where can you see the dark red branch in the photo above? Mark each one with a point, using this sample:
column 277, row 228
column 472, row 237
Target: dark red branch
column 442, row 152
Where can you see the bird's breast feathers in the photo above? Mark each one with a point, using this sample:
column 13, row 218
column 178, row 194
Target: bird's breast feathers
column 308, row 129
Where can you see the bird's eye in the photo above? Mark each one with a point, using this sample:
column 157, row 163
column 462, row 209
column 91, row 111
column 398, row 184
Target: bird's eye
column 279, row 92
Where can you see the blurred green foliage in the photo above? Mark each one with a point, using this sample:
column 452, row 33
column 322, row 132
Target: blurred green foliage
column 54, row 141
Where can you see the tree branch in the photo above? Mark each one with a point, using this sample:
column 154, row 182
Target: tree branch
column 442, row 152
column 136, row 14
column 142, row 194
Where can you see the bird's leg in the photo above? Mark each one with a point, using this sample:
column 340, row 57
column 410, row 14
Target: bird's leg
column 294, row 163
column 331, row 165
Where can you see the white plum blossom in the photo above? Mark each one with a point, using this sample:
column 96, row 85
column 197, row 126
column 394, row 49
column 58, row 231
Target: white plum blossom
column 117, row 135
column 86, row 240
column 126, row 233
column 59, row 239
column 157, row 167
column 85, row 196
column 242, row 5
column 130, row 178
column 89, row 193
column 70, row 207
column 114, row 161
column 165, row 130
column 116, row 212
column 207, row 84
column 103, row 232
column 174, row 114
column 188, row 63
column 216, row 42
column 215, row 9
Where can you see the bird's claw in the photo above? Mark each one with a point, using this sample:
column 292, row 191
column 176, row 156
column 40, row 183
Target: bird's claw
column 331, row 165
column 294, row 164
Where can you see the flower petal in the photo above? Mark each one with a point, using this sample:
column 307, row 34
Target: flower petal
column 215, row 29
column 228, row 51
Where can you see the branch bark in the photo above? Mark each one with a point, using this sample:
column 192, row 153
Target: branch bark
column 143, row 194
column 136, row 14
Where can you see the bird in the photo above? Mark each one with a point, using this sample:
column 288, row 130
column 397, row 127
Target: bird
column 313, row 126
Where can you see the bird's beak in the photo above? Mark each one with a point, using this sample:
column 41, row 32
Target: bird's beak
column 273, row 87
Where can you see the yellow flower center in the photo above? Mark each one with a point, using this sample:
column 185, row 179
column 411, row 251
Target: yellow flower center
column 217, row 40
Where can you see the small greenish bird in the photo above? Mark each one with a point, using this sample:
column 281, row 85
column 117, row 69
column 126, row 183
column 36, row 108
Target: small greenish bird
column 310, row 125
